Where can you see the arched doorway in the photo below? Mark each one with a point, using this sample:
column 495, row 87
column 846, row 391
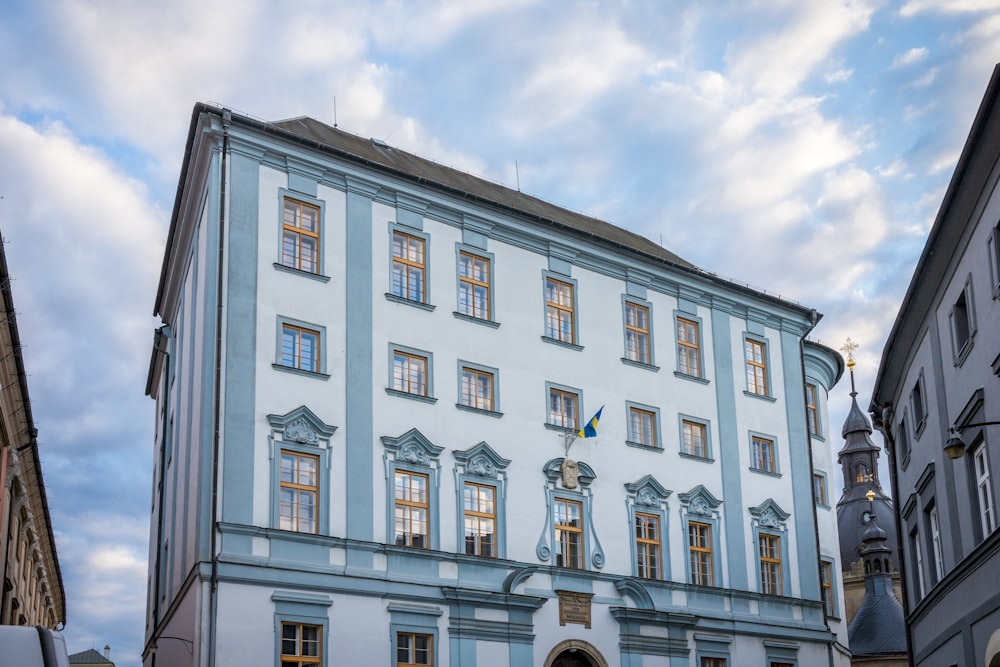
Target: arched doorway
column 575, row 653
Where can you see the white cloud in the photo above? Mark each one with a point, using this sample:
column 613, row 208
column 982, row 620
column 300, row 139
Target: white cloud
column 910, row 57
column 914, row 7
column 839, row 75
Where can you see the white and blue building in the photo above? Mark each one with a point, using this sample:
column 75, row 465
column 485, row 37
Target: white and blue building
column 367, row 368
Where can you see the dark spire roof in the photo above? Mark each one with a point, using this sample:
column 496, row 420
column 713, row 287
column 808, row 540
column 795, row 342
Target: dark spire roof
column 878, row 627
column 857, row 431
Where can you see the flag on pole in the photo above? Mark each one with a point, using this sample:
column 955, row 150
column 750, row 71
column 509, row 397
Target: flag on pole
column 590, row 430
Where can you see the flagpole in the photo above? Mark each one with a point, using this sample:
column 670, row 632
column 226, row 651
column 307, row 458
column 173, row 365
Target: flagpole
column 568, row 439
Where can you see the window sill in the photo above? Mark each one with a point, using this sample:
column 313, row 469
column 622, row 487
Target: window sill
column 415, row 397
column 300, row 371
column 695, row 457
column 762, row 397
column 639, row 364
column 963, row 353
column 823, row 506
column 904, row 464
column 476, row 320
column 562, row 343
column 817, row 436
column 561, row 429
column 918, row 430
column 764, row 472
column 693, row 378
column 409, row 302
column 479, row 411
column 648, row 448
column 299, row 272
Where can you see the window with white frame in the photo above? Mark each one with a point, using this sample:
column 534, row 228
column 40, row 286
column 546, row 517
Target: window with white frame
column 918, row 559
column 918, row 404
column 993, row 248
column 936, row 546
column 984, row 491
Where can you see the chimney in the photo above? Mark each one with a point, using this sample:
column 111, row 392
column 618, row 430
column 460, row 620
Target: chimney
column 107, row 652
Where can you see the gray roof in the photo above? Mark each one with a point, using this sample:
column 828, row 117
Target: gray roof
column 379, row 154
column 89, row 657
column 877, row 628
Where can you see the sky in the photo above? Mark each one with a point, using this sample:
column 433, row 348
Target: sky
column 799, row 146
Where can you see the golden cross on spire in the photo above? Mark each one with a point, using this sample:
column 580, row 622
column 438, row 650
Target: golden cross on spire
column 848, row 349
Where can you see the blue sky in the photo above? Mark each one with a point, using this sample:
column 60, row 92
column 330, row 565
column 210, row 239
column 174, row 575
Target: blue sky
column 800, row 146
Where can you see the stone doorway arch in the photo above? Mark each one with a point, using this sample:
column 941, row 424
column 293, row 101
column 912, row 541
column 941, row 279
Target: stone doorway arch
column 992, row 657
column 575, row 653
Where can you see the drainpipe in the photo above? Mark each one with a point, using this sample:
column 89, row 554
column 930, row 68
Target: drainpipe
column 217, row 409
column 882, row 420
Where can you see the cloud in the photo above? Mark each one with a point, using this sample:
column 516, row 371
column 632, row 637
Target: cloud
column 910, row 57
column 914, row 7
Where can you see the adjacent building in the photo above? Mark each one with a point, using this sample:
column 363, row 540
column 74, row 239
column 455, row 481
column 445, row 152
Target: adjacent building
column 937, row 402
column 32, row 591
column 369, row 384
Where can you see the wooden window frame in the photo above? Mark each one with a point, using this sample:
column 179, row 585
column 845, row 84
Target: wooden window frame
column 478, row 515
column 555, row 310
column 472, row 282
column 648, row 549
column 563, row 394
column 637, row 436
column 298, row 659
column 820, row 496
column 770, row 566
column 698, row 529
column 685, row 345
column 412, row 649
column 757, row 380
column 564, row 531
column 642, row 350
column 298, row 488
column 407, row 537
column 402, row 290
column 812, row 409
column 402, row 382
column 296, row 355
column 476, row 374
column 708, row 661
column 299, row 233
column 687, row 427
column 826, row 591
column 760, row 461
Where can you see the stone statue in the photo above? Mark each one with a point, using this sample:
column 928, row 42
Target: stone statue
column 570, row 473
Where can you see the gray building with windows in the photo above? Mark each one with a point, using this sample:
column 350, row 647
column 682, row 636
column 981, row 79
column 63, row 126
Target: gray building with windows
column 937, row 401
column 368, row 380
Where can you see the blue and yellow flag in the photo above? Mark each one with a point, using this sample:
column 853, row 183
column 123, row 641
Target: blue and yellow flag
column 590, row 430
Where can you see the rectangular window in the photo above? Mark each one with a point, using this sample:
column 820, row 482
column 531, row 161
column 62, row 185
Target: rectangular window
column 983, row 492
column 812, row 411
column 642, row 427
column 409, row 373
column 300, row 236
column 713, row 662
column 480, row 519
column 918, row 558
column 938, row 553
column 473, row 285
column 563, row 408
column 647, row 545
column 756, row 362
column 819, row 490
column 993, row 247
column 960, row 323
column 413, row 649
column 695, row 441
column 559, row 311
column 301, row 644
column 917, row 404
column 762, row 454
column 477, row 388
column 826, row 577
column 688, row 348
column 569, row 533
column 700, row 549
column 637, row 333
column 300, row 348
column 903, row 441
column 408, row 266
column 299, row 489
column 769, row 550
column 411, row 510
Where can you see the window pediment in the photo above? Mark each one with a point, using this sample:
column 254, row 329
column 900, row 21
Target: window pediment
column 412, row 447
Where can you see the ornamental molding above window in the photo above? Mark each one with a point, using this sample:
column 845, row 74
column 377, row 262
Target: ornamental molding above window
column 699, row 501
column 301, row 426
column 647, row 492
column 412, row 447
column 769, row 514
column 482, row 461
column 554, row 473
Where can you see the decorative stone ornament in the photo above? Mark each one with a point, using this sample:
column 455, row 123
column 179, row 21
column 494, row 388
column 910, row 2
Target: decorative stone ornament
column 570, row 474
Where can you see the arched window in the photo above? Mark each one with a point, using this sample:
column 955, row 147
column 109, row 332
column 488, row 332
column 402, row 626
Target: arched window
column 861, row 473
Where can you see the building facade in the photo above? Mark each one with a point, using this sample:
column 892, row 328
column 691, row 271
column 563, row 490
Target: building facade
column 32, row 591
column 368, row 380
column 937, row 401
